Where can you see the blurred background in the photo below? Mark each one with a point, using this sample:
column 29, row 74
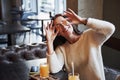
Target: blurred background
column 32, row 14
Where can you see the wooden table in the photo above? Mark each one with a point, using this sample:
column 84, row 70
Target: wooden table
column 58, row 76
column 62, row 75
column 12, row 29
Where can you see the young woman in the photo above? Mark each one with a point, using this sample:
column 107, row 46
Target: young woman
column 84, row 49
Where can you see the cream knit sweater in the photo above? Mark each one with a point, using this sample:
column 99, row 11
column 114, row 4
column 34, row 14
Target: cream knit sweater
column 85, row 53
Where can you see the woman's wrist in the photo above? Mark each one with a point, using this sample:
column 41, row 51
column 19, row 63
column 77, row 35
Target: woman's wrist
column 84, row 21
column 49, row 54
column 50, row 47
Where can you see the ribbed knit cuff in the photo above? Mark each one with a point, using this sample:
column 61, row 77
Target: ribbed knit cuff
column 86, row 20
column 50, row 54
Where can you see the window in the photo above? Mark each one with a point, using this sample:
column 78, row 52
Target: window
column 45, row 7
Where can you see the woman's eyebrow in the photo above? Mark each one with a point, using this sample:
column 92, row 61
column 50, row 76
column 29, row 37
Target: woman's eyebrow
column 57, row 24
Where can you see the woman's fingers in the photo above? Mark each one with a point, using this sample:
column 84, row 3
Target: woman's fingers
column 50, row 27
column 47, row 27
column 67, row 13
column 71, row 11
column 51, row 24
column 69, row 19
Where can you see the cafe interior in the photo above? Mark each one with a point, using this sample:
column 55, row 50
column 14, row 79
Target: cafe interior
column 23, row 42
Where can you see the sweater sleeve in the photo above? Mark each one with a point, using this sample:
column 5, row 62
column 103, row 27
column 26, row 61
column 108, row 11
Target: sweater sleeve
column 56, row 61
column 102, row 29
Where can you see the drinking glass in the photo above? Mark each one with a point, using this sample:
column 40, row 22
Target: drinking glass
column 73, row 77
column 44, row 70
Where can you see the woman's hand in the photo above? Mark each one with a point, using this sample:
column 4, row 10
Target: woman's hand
column 73, row 17
column 50, row 32
column 50, row 36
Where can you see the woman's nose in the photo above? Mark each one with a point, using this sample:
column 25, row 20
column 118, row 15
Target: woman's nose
column 64, row 23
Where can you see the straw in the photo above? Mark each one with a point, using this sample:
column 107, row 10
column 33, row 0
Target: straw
column 72, row 68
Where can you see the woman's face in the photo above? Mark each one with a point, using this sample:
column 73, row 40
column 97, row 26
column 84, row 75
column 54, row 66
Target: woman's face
column 64, row 26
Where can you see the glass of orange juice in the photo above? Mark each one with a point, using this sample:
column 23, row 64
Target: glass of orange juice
column 44, row 70
column 73, row 77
